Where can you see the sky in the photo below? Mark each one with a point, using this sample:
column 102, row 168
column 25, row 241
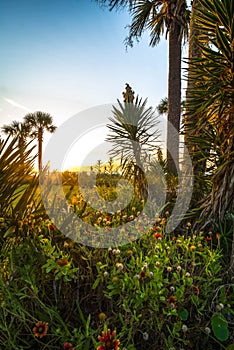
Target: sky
column 65, row 56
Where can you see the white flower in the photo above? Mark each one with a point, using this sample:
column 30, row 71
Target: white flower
column 105, row 273
column 157, row 263
column 145, row 336
column 219, row 307
column 119, row 266
column 207, row 330
column 187, row 274
column 151, row 274
column 178, row 268
column 172, row 289
column 144, row 267
column 184, row 328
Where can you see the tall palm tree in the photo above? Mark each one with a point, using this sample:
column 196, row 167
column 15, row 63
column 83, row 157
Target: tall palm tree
column 158, row 16
column 20, row 131
column 39, row 122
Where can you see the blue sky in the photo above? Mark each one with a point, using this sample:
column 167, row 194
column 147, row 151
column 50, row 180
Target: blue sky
column 65, row 56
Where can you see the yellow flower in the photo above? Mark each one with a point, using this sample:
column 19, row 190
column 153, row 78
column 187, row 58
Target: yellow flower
column 192, row 248
column 102, row 316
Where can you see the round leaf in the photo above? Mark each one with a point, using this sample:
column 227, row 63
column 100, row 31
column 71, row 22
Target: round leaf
column 220, row 327
column 183, row 314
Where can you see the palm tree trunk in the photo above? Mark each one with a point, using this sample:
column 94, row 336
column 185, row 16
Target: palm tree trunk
column 174, row 99
column 197, row 153
column 40, row 140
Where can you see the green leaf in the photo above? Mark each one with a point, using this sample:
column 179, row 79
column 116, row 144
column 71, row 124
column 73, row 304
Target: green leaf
column 220, row 327
column 96, row 283
column 183, row 314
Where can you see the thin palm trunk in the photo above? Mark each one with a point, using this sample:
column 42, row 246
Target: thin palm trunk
column 40, row 140
column 174, row 99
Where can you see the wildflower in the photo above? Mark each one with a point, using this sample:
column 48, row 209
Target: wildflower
column 52, row 227
column 105, row 273
column 171, row 299
column 158, row 236
column 62, row 262
column 208, row 239
column 119, row 266
column 108, row 341
column 102, row 316
column 172, row 289
column 219, row 307
column 109, row 249
column 157, row 263
column 192, row 248
column 68, row 346
column 187, row 274
column 145, row 336
column 169, row 268
column 207, row 330
column 184, row 328
column 137, row 277
column 151, row 274
column 196, row 290
column 156, row 247
column 129, row 252
column 218, row 235
column 144, row 267
column 41, row 329
column 116, row 251
column 142, row 274
column 178, row 268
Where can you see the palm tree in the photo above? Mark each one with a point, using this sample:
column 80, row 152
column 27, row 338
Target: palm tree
column 39, row 122
column 20, row 131
column 158, row 16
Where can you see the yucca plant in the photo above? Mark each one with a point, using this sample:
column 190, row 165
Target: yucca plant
column 212, row 99
column 18, row 183
column 133, row 136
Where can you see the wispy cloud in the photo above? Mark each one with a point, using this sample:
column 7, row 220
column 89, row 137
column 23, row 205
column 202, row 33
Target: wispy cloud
column 16, row 104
